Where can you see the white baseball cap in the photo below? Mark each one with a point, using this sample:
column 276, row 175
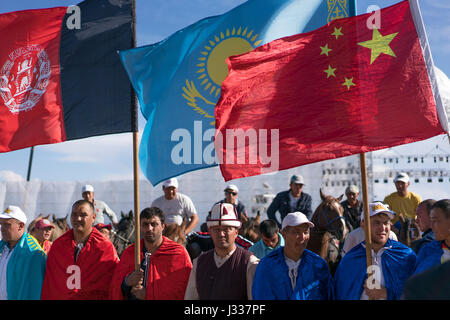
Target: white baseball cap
column 294, row 219
column 87, row 188
column 378, row 207
column 172, row 182
column 352, row 189
column 232, row 187
column 402, row 176
column 223, row 214
column 13, row 212
column 297, row 179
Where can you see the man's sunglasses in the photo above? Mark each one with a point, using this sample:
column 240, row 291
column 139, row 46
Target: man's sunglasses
column 231, row 192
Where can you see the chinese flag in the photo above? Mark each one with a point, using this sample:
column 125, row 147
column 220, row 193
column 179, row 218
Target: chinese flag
column 340, row 90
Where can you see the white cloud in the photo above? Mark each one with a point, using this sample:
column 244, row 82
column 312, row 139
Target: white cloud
column 94, row 149
column 8, row 176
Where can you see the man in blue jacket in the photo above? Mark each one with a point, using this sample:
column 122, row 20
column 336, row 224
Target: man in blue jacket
column 293, row 272
column 392, row 263
column 291, row 200
column 22, row 260
column 437, row 251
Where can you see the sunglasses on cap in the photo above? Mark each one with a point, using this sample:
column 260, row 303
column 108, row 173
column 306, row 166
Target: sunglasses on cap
column 231, row 192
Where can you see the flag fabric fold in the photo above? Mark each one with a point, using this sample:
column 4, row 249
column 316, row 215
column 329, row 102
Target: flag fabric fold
column 336, row 91
column 178, row 80
column 59, row 82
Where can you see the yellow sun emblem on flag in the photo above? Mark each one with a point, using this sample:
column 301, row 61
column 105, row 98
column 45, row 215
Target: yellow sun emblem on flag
column 203, row 92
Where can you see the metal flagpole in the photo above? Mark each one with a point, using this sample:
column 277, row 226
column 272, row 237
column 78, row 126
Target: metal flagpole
column 29, row 163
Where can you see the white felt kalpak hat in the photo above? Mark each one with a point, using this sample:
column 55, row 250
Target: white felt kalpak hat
column 223, row 214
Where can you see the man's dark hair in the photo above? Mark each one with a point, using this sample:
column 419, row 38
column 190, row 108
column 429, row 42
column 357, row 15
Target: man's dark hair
column 444, row 205
column 428, row 204
column 148, row 213
column 81, row 202
column 268, row 228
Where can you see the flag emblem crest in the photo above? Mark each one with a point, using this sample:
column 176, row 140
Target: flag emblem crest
column 24, row 78
column 211, row 69
column 337, row 9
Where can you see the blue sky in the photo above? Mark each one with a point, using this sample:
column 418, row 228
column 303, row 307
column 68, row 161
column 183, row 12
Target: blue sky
column 110, row 157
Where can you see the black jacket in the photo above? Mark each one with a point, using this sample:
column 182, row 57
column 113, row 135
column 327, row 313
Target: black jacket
column 281, row 202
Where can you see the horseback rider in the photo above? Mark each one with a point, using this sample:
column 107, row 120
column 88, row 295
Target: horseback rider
column 100, row 207
column 291, row 200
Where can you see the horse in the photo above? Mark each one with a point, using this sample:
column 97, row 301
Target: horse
column 61, row 227
column 329, row 232
column 175, row 232
column 125, row 235
column 250, row 227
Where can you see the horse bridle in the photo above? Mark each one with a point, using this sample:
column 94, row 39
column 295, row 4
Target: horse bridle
column 127, row 239
column 328, row 223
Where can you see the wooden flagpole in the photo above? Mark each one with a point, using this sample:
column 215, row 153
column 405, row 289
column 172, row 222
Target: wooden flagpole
column 134, row 119
column 137, row 230
column 362, row 159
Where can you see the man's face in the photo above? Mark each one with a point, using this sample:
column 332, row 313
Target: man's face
column 270, row 241
column 230, row 196
column 152, row 229
column 88, row 196
column 43, row 233
column 402, row 187
column 12, row 229
column 440, row 224
column 296, row 238
column 170, row 192
column 352, row 197
column 105, row 232
column 223, row 236
column 422, row 218
column 296, row 189
column 82, row 218
column 380, row 227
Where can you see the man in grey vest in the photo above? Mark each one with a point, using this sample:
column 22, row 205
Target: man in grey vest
column 225, row 272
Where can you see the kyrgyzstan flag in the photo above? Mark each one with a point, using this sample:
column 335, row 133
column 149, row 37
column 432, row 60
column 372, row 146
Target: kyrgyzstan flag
column 60, row 74
column 343, row 89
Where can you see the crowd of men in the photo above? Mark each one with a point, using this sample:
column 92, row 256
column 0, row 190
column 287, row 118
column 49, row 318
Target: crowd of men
column 83, row 264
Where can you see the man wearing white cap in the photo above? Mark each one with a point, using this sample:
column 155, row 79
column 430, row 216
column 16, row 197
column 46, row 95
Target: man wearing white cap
column 403, row 201
column 225, row 272
column 231, row 196
column 176, row 206
column 22, row 260
column 87, row 192
column 291, row 200
column 293, row 272
column 352, row 207
column 392, row 263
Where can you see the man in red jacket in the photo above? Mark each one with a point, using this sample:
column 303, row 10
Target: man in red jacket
column 81, row 263
column 165, row 265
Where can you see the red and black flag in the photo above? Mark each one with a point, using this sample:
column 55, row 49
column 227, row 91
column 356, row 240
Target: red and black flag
column 60, row 75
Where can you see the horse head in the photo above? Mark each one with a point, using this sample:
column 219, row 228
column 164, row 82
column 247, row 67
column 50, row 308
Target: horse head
column 329, row 216
column 175, row 232
column 250, row 227
column 61, row 226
